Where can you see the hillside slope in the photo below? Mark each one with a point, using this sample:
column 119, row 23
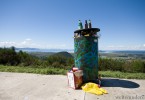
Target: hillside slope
column 63, row 54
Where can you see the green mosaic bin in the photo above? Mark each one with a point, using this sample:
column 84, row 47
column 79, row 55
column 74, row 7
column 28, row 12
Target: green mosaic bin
column 86, row 53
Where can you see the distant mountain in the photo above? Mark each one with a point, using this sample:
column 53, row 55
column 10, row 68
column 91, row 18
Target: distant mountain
column 63, row 54
column 43, row 50
column 28, row 49
column 41, row 54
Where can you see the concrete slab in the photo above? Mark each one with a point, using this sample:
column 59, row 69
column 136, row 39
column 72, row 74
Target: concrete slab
column 22, row 86
column 120, row 89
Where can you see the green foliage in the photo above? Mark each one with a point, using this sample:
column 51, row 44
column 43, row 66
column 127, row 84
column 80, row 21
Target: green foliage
column 58, row 62
column 118, row 74
column 63, row 54
column 8, row 56
column 110, row 64
column 25, row 59
column 122, row 65
column 138, row 66
column 31, row 69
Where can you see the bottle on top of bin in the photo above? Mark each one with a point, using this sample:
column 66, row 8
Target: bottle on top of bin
column 87, row 24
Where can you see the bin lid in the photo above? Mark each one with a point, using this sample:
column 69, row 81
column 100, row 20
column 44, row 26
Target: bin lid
column 87, row 30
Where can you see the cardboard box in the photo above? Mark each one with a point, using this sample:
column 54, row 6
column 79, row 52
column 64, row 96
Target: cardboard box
column 75, row 79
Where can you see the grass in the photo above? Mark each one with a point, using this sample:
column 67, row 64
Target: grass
column 118, row 74
column 32, row 70
column 57, row 71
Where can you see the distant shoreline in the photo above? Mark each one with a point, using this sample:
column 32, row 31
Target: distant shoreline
column 72, row 51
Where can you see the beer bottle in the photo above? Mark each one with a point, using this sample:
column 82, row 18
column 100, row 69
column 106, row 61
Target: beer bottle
column 86, row 24
column 90, row 25
column 80, row 26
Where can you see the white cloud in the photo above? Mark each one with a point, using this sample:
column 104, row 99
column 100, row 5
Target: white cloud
column 25, row 43
column 29, row 43
column 6, row 43
column 28, row 39
column 144, row 45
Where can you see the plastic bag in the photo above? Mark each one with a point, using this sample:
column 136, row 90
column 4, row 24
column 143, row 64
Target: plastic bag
column 93, row 88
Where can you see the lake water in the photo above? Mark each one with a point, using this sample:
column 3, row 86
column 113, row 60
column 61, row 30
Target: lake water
column 71, row 50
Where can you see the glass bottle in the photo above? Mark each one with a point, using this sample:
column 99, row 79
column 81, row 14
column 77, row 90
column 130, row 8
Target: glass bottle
column 90, row 25
column 86, row 24
column 80, row 26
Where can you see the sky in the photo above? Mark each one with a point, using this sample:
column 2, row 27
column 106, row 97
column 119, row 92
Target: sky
column 50, row 24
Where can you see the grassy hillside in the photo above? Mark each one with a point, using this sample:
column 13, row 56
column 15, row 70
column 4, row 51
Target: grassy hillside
column 63, row 54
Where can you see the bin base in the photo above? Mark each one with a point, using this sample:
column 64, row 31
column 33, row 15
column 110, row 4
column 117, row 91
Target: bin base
column 94, row 81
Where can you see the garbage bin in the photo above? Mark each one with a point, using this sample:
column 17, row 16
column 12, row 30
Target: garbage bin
column 86, row 52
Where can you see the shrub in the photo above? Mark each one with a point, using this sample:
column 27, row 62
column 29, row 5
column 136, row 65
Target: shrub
column 56, row 64
column 121, row 65
column 137, row 66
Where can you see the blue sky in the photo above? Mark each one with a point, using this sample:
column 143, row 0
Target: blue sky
column 51, row 23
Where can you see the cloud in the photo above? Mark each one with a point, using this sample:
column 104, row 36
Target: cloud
column 6, row 44
column 31, row 44
column 28, row 43
column 28, row 39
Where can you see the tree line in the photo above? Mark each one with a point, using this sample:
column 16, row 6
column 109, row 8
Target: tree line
column 122, row 65
column 9, row 56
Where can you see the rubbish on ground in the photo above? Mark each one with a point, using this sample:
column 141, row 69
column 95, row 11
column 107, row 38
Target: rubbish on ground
column 93, row 88
column 75, row 69
column 78, row 73
column 75, row 78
